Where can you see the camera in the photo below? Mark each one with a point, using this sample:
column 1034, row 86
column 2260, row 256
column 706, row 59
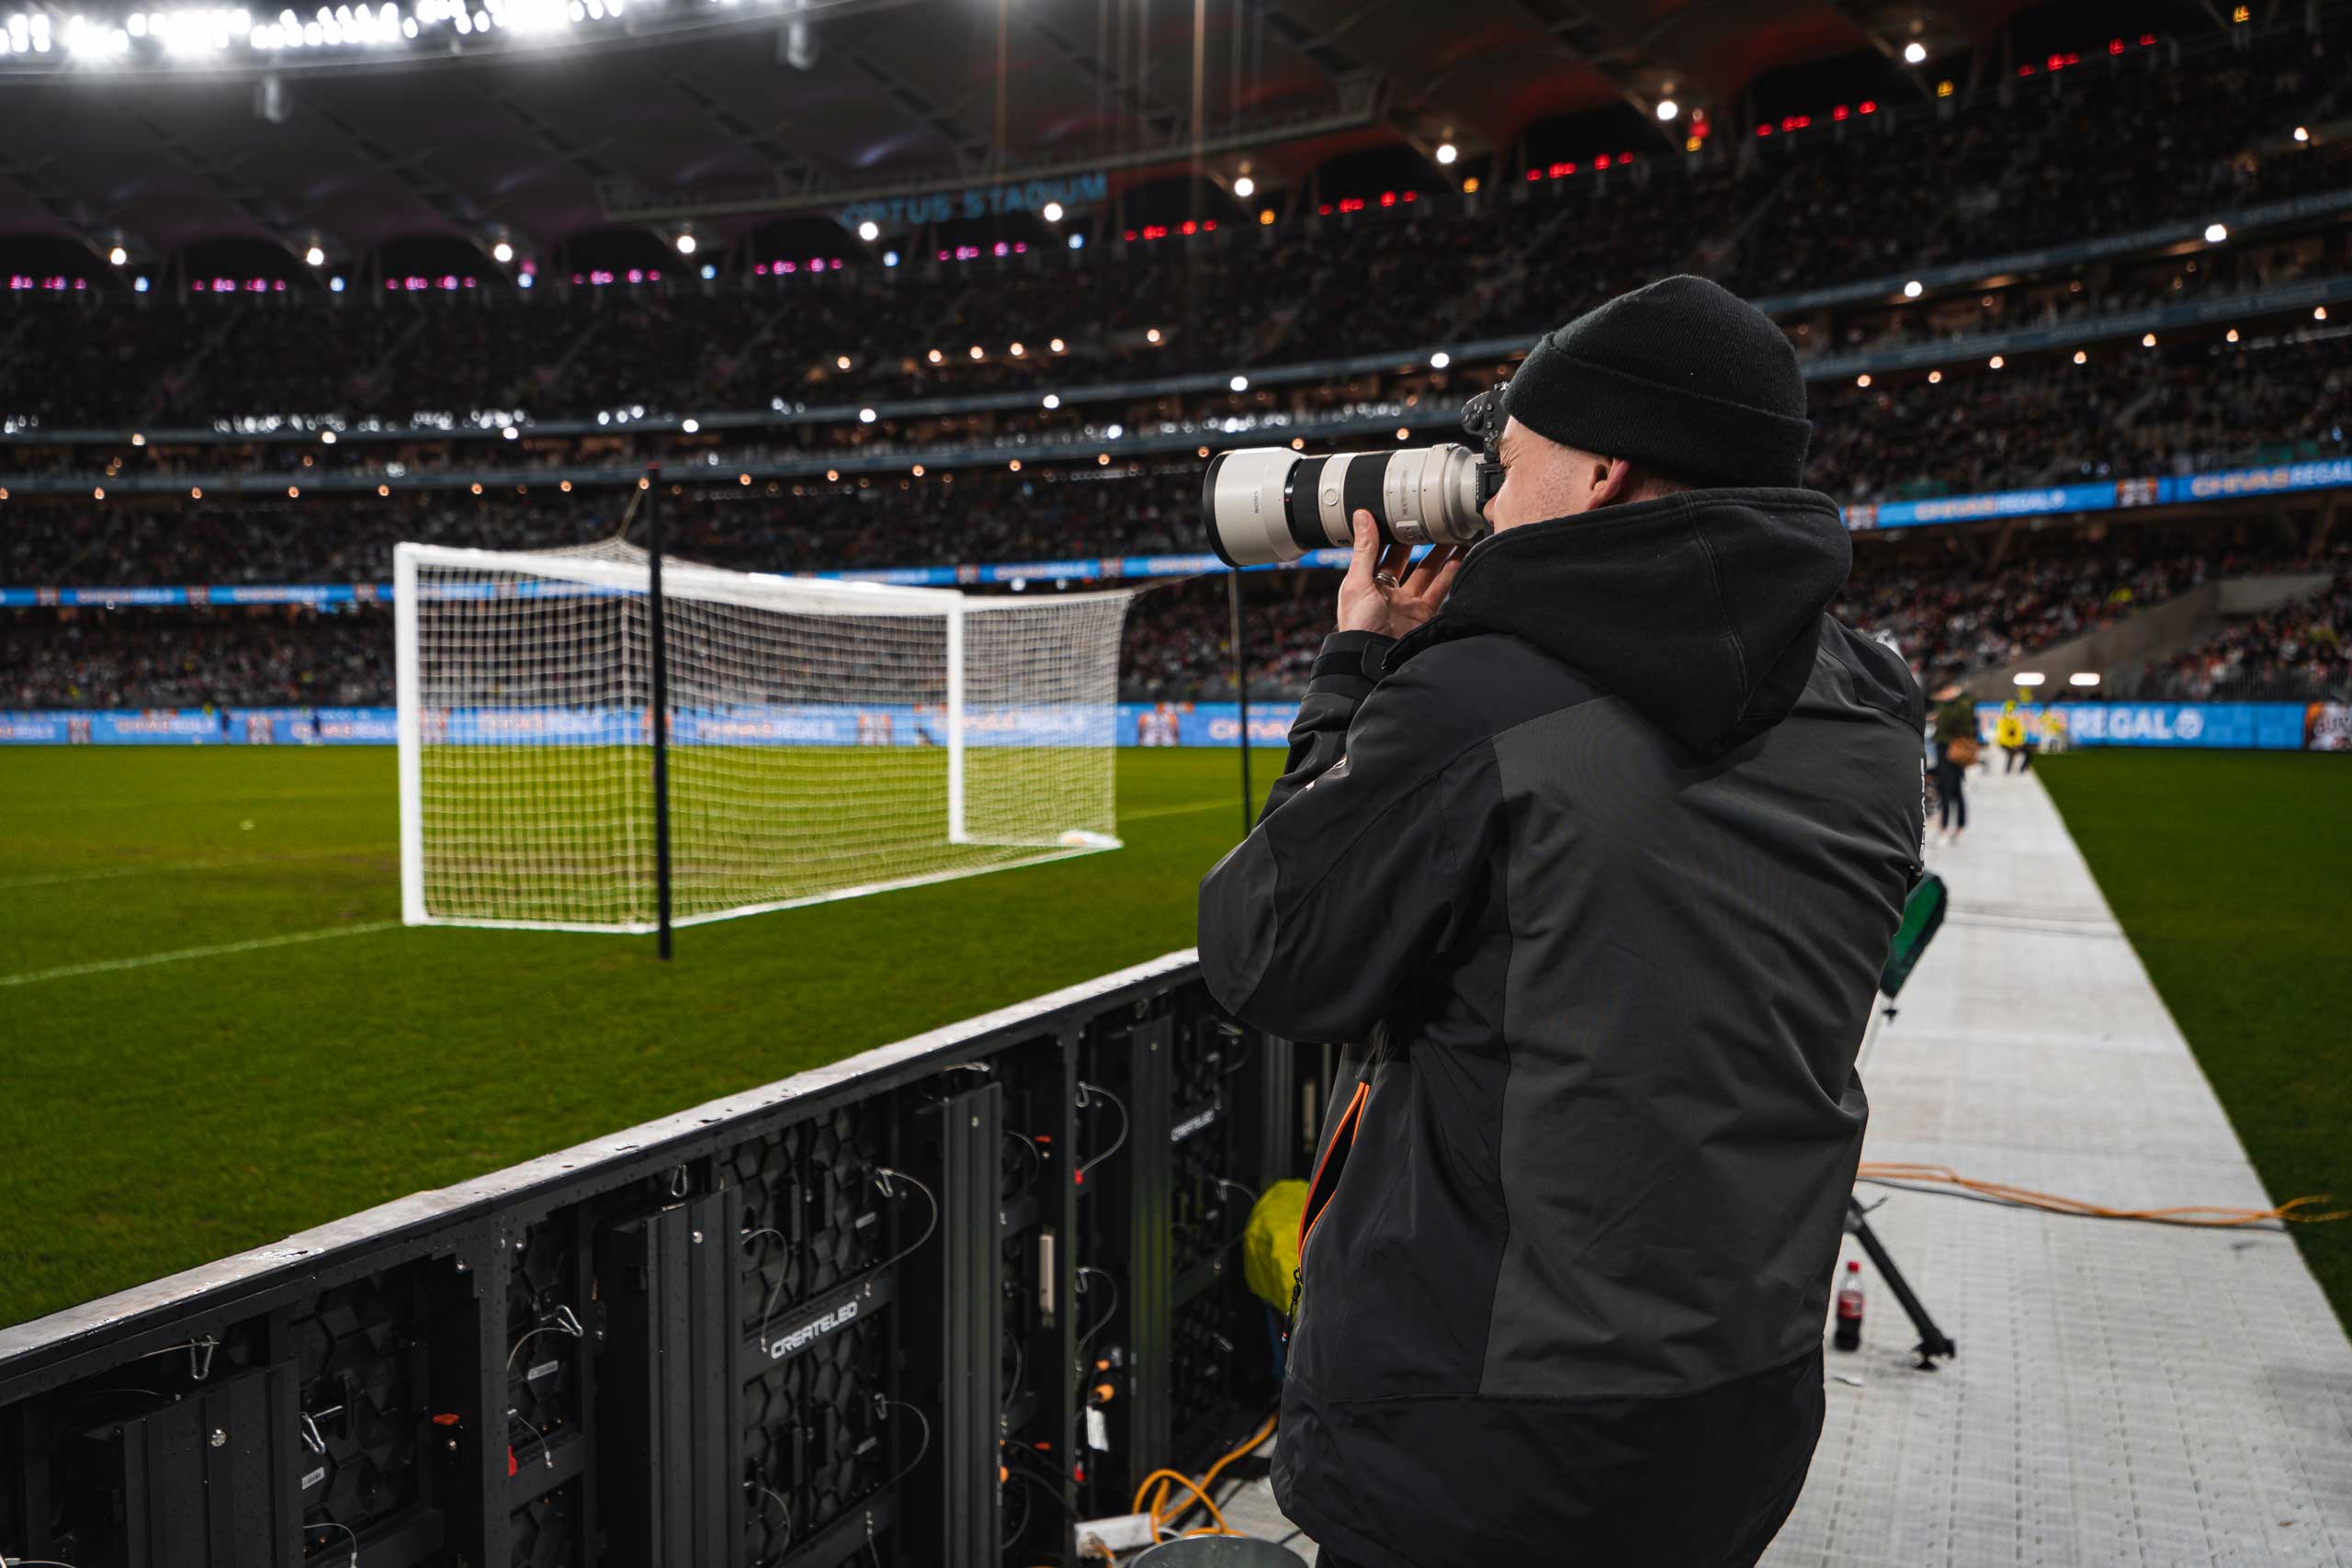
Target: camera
column 1270, row 504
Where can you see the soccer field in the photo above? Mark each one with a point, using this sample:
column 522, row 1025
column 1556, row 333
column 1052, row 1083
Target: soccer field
column 2228, row 871
column 219, row 1033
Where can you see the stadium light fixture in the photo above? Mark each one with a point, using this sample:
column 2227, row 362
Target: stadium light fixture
column 866, row 416
column 1239, row 383
column 511, row 433
column 2149, row 341
column 1018, row 350
column 2027, row 677
column 889, row 258
column 1913, row 289
column 502, row 253
column 978, row 353
column 335, row 284
column 1152, row 334
column 690, row 426
column 2082, row 678
column 1051, row 212
column 1996, row 362
column 1440, row 360
column 139, row 286
column 1447, row 152
column 2216, row 232
column 841, row 362
column 2319, row 313
column 1863, row 379
column 137, row 439
column 314, row 256
column 1113, row 431
column 2302, row 134
column 869, row 230
column 936, row 356
column 1014, row 464
column 1077, row 241
column 1053, row 399
column 1244, row 187
column 1058, row 345
column 326, row 437
column 685, row 244
column 2233, row 335
column 1915, row 53
column 1667, row 108
column 1935, row 377
column 117, row 255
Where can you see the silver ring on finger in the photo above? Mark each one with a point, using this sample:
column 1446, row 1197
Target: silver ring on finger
column 1386, row 578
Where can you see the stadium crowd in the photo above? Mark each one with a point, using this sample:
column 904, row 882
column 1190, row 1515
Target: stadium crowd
column 2098, row 146
column 2301, row 651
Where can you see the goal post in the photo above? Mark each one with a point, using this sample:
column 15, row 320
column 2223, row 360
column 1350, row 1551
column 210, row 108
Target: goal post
column 825, row 739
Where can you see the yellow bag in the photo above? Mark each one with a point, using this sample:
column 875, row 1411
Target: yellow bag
column 1270, row 1245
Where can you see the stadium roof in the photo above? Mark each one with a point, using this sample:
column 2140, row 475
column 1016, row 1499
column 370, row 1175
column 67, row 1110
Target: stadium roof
column 725, row 113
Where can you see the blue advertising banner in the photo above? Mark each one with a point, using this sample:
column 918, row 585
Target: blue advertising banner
column 2266, row 727
column 2242, row 726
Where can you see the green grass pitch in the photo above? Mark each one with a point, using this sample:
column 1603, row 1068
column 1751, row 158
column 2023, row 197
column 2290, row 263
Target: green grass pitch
column 162, row 1115
column 159, row 1115
column 2229, row 871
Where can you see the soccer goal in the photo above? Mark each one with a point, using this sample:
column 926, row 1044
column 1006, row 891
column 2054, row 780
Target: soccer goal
column 823, row 739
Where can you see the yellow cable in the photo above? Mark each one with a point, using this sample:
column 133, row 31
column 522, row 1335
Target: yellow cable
column 1181, row 1480
column 1208, row 1481
column 2287, row 1212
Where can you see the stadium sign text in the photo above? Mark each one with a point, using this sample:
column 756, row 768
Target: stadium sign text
column 979, row 201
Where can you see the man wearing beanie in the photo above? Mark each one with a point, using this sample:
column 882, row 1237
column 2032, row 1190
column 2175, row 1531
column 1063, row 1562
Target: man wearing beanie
column 1590, row 849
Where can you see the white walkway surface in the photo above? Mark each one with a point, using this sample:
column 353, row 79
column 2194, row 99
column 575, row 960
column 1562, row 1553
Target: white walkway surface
column 2125, row 1395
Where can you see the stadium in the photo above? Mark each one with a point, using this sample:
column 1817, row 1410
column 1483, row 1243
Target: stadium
column 644, row 651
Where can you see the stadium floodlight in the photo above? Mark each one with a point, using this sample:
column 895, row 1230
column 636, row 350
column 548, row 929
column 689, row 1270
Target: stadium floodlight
column 866, row 416
column 2216, row 232
column 1667, row 108
column 1239, row 383
column 1440, row 360
column 889, row 258
column 690, row 426
column 1244, row 186
column 314, row 256
column 869, row 230
column 2082, row 678
column 1915, row 53
column 823, row 739
column 2027, row 677
column 502, row 253
column 1447, row 152
column 685, row 244
column 335, row 284
column 2302, row 134
column 117, row 255
column 1051, row 212
column 1058, row 345
column 1077, row 241
column 1913, row 289
column 1114, row 430
column 1053, row 399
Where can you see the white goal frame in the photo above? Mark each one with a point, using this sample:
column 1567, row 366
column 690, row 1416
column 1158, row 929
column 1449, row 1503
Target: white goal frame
column 687, row 580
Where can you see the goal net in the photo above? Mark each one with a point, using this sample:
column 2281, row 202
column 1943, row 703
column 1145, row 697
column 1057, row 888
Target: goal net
column 825, row 739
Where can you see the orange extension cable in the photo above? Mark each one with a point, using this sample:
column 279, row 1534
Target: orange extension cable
column 1200, row 1490
column 2292, row 1212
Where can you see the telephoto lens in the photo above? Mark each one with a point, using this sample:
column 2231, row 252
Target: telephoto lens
column 1266, row 505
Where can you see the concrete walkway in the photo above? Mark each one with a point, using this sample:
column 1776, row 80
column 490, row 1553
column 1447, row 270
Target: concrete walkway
column 2125, row 1395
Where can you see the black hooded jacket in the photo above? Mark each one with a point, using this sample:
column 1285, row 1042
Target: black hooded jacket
column 1594, row 875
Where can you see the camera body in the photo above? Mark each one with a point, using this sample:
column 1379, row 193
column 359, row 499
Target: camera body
column 1268, row 504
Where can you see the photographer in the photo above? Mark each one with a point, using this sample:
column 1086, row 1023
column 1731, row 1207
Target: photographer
column 1590, row 847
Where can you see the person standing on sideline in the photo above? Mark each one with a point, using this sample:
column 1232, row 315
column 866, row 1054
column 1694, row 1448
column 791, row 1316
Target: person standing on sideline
column 1956, row 750
column 1588, row 851
column 2008, row 734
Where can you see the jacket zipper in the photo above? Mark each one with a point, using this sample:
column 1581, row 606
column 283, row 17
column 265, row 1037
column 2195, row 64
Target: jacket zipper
column 1353, row 1118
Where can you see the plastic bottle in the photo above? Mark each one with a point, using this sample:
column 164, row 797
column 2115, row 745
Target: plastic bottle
column 1849, row 1309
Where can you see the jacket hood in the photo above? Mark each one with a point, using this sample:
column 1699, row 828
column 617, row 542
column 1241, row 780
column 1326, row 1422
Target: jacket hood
column 1702, row 609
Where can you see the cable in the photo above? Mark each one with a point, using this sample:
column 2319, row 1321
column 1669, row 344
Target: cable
column 1935, row 1177
column 1181, row 1479
column 782, row 1507
column 1084, row 1090
column 1020, row 1368
column 885, row 1404
column 1083, row 1271
column 1037, row 1162
column 1250, row 1445
column 546, row 1455
column 338, row 1524
column 564, row 1320
column 1004, row 1542
column 882, row 1178
column 32, row 1563
column 768, row 1310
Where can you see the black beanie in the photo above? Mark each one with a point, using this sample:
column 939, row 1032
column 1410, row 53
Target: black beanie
column 1683, row 376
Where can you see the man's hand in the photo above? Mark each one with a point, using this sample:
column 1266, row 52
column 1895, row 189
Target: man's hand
column 1380, row 595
